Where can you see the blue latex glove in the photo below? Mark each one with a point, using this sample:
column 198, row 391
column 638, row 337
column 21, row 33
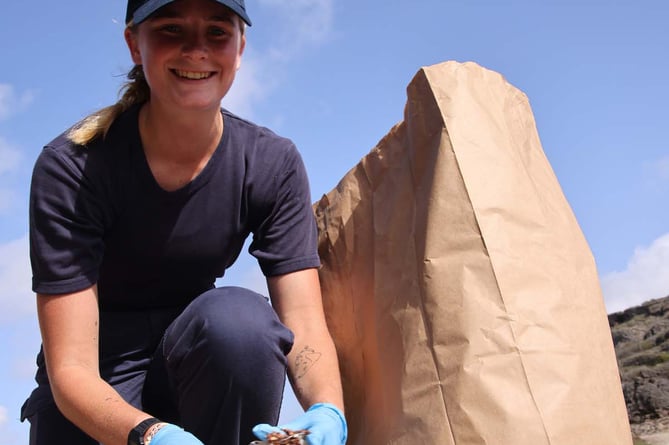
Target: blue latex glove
column 325, row 422
column 173, row 435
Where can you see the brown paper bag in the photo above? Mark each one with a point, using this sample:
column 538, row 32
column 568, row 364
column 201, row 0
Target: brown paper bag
column 460, row 291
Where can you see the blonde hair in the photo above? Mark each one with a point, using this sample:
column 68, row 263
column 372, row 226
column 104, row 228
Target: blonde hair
column 97, row 124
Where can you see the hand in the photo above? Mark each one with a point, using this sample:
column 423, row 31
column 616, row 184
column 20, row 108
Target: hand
column 173, row 435
column 325, row 422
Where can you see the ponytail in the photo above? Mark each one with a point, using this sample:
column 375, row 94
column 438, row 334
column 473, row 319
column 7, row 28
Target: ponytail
column 97, row 124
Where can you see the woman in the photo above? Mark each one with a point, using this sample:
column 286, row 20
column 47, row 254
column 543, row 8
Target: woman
column 134, row 214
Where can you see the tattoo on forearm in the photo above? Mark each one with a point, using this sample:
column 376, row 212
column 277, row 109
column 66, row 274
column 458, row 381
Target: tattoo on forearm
column 305, row 359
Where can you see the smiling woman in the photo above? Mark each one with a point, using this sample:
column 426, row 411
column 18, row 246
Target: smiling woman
column 134, row 214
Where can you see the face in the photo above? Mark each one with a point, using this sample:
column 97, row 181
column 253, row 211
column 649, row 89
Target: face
column 190, row 51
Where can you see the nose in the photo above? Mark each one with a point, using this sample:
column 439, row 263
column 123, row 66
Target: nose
column 195, row 45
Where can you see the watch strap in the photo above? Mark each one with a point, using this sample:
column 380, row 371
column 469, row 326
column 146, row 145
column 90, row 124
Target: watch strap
column 152, row 431
column 136, row 435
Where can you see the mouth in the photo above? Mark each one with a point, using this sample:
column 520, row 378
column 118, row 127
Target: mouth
column 193, row 75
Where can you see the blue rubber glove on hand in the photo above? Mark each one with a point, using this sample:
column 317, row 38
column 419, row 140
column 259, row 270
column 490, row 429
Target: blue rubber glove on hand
column 325, row 422
column 173, row 435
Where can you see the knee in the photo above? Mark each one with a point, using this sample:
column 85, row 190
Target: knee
column 230, row 325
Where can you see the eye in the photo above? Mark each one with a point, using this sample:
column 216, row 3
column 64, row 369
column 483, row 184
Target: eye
column 170, row 29
column 217, row 31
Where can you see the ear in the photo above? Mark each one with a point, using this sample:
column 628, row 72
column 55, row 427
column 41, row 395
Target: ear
column 131, row 40
column 242, row 45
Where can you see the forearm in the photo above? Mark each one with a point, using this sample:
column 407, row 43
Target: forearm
column 69, row 326
column 313, row 369
column 312, row 363
column 93, row 405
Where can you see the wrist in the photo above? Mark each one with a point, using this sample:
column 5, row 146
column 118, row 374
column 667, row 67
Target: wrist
column 153, row 429
column 137, row 435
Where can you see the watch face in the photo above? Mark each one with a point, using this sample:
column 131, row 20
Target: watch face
column 135, row 438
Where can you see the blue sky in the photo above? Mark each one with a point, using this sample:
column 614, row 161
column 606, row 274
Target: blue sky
column 331, row 75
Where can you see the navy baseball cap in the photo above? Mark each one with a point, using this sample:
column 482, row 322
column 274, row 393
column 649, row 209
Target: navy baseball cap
column 140, row 10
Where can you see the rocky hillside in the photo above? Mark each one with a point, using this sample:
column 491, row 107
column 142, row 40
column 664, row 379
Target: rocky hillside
column 641, row 339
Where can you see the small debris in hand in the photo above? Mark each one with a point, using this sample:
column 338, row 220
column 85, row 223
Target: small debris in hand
column 287, row 437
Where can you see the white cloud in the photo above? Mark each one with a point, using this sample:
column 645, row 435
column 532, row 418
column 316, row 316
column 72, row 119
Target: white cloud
column 7, row 198
column 301, row 24
column 305, row 22
column 11, row 102
column 10, row 156
column 16, row 297
column 646, row 277
column 8, row 429
column 656, row 174
column 661, row 168
column 250, row 86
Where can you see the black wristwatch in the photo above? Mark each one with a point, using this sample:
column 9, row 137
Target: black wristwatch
column 136, row 435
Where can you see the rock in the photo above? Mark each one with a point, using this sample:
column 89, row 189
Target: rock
column 641, row 340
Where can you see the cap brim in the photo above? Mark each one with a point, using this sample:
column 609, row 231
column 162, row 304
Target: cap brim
column 143, row 12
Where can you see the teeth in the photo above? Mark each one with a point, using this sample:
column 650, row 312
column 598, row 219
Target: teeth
column 192, row 74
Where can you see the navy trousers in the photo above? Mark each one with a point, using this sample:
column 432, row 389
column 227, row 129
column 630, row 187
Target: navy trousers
column 216, row 368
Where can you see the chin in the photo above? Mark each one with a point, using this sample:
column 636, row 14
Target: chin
column 199, row 105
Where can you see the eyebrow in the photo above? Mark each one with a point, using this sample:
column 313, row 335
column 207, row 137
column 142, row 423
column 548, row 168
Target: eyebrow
column 222, row 18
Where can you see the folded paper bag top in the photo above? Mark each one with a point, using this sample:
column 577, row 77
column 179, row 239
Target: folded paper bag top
column 458, row 286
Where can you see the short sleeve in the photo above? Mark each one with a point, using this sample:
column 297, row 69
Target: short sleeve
column 66, row 229
column 286, row 239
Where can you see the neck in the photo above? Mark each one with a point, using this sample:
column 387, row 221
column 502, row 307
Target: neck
column 180, row 135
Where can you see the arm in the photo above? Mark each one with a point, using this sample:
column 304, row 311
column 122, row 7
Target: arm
column 68, row 219
column 312, row 363
column 69, row 327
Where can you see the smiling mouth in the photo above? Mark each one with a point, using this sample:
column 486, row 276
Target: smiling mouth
column 193, row 75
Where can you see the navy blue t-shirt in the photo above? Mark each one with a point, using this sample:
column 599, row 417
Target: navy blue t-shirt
column 97, row 215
